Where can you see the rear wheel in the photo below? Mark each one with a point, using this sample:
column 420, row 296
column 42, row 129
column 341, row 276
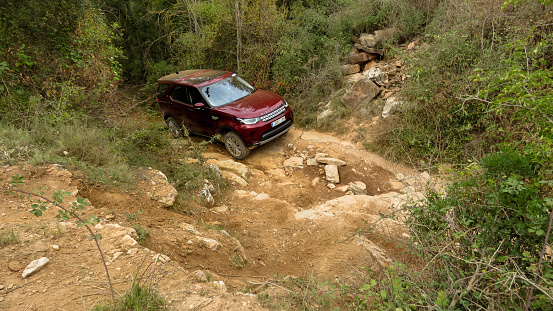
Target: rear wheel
column 236, row 146
column 174, row 127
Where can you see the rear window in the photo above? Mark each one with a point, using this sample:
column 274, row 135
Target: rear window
column 162, row 88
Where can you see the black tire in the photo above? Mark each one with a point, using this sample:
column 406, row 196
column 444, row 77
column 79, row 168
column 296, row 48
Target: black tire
column 236, row 146
column 174, row 127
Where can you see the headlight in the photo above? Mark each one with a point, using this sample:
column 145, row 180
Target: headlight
column 248, row 121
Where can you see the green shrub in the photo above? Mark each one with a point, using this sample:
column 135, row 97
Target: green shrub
column 487, row 233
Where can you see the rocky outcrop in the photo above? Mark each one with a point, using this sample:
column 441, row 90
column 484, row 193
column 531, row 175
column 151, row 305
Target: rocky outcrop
column 361, row 92
column 155, row 184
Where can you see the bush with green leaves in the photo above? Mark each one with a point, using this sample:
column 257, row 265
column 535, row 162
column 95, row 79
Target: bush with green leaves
column 488, row 234
column 475, row 52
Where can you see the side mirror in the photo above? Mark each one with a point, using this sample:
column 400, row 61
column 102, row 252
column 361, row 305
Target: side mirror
column 199, row 105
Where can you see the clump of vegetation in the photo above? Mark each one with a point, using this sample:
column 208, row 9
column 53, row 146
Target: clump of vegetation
column 137, row 298
column 8, row 237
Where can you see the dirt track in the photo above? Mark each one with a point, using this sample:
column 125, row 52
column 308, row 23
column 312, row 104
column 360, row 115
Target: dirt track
column 261, row 237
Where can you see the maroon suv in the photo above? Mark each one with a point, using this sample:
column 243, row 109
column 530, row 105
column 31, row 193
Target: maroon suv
column 210, row 102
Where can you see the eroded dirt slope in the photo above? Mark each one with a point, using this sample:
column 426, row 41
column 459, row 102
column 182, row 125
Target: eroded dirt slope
column 285, row 221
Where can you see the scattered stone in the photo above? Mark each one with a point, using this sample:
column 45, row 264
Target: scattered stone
column 11, row 287
column 376, row 75
column 200, row 276
column 332, row 174
column 158, row 185
column 357, row 187
column 161, row 258
column 220, row 209
column 350, row 69
column 321, row 117
column 238, row 168
column 331, row 185
column 1, row 299
column 396, row 186
column 205, row 192
column 220, row 285
column 1, row 287
column 312, row 162
column 15, row 266
column 376, row 252
column 116, row 255
column 293, row 162
column 34, row 266
column 56, row 247
column 392, row 104
column 331, row 161
column 128, row 240
column 343, row 188
column 215, row 168
column 234, row 178
column 315, row 181
column 261, row 196
column 209, row 243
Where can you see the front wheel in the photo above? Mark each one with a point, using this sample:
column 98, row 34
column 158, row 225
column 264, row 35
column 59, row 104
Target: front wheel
column 236, row 146
column 174, row 127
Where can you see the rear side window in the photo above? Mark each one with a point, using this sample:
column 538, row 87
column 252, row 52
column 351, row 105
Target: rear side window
column 179, row 94
column 162, row 88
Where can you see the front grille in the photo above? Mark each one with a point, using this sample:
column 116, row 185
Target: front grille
column 275, row 131
column 273, row 114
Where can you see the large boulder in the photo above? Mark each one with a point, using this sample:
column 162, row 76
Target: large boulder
column 361, row 92
column 156, row 185
column 370, row 42
column 376, row 75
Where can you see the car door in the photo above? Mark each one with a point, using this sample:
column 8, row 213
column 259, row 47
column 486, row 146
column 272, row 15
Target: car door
column 178, row 105
column 200, row 114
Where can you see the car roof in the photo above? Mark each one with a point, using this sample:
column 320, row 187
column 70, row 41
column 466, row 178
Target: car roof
column 195, row 77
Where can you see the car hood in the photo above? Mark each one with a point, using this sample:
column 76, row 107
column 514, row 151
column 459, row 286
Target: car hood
column 257, row 104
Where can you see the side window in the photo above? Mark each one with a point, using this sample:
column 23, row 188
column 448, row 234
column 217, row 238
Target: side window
column 195, row 96
column 179, row 94
column 162, row 88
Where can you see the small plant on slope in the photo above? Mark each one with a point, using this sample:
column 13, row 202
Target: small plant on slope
column 64, row 213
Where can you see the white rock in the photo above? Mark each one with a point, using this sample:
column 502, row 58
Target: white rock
column 293, row 162
column 34, row 266
column 229, row 165
column 332, row 174
column 261, row 196
column 315, row 181
column 312, row 162
column 56, row 247
column 209, row 243
column 116, row 255
column 357, row 187
column 234, row 178
column 128, row 240
column 330, row 161
column 200, row 275
column 220, row 285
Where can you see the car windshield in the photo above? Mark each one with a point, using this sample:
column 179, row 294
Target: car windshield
column 227, row 91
